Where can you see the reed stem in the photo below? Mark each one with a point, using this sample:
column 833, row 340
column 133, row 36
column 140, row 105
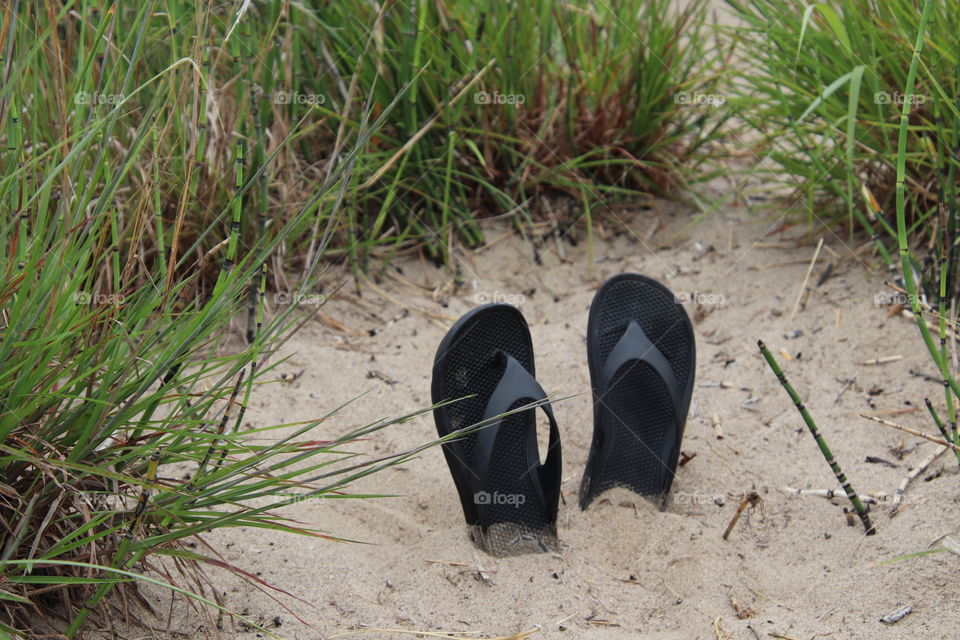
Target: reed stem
column 824, row 449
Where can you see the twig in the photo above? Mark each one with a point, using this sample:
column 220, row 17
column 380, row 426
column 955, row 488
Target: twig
column 434, row 634
column 829, row 494
column 846, row 385
column 752, row 499
column 913, row 432
column 883, row 360
column 824, row 449
column 896, row 412
column 803, row 287
column 896, row 615
column 902, row 489
column 448, row 563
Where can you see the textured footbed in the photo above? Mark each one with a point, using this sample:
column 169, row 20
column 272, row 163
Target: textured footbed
column 517, row 520
column 636, row 413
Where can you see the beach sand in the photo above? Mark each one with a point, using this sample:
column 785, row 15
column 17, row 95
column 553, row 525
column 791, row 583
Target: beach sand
column 791, row 568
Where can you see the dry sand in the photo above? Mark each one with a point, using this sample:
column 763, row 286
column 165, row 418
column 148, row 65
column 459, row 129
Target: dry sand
column 625, row 569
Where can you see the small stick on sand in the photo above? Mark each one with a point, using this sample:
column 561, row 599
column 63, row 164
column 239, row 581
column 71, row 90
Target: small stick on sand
column 800, row 304
column 717, row 427
column 829, row 494
column 752, row 499
column 913, row 432
column 896, row 412
column 896, row 615
column 902, row 489
column 883, row 360
column 448, row 563
column 846, row 385
column 824, row 449
column 463, row 635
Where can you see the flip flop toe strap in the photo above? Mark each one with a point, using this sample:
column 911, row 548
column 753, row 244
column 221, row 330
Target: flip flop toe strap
column 516, row 385
column 634, row 346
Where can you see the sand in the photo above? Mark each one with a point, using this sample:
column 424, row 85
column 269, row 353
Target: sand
column 792, row 566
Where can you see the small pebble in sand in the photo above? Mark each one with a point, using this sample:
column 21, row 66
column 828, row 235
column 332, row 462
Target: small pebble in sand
column 896, row 615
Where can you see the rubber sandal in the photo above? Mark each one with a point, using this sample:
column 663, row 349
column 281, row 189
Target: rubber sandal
column 485, row 366
column 642, row 356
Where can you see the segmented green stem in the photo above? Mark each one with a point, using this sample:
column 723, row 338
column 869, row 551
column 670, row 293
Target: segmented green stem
column 942, row 427
column 237, row 211
column 158, row 207
column 115, row 249
column 944, row 358
column 906, row 263
column 824, row 449
column 221, row 428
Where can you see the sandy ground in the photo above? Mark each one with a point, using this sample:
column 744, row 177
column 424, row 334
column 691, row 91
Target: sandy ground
column 792, row 565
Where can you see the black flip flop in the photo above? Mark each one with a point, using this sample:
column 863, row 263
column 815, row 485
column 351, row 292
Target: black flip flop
column 509, row 498
column 642, row 356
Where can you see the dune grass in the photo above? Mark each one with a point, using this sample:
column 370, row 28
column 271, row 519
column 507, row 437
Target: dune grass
column 858, row 103
column 169, row 165
column 124, row 390
column 826, row 89
column 504, row 103
column 511, row 101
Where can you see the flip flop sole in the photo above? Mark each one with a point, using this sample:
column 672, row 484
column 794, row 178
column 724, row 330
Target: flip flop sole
column 637, row 431
column 507, row 514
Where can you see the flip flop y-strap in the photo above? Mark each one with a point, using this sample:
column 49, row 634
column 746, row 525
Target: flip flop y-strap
column 634, row 346
column 516, row 385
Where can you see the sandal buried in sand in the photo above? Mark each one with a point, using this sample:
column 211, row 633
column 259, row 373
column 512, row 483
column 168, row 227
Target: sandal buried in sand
column 484, row 365
column 641, row 352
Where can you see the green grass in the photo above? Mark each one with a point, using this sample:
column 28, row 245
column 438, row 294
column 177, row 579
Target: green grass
column 825, row 90
column 511, row 101
column 858, row 104
column 158, row 156
column 592, row 109
column 137, row 236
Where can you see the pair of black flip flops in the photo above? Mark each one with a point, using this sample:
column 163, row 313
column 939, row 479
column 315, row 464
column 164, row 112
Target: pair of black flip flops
column 641, row 353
